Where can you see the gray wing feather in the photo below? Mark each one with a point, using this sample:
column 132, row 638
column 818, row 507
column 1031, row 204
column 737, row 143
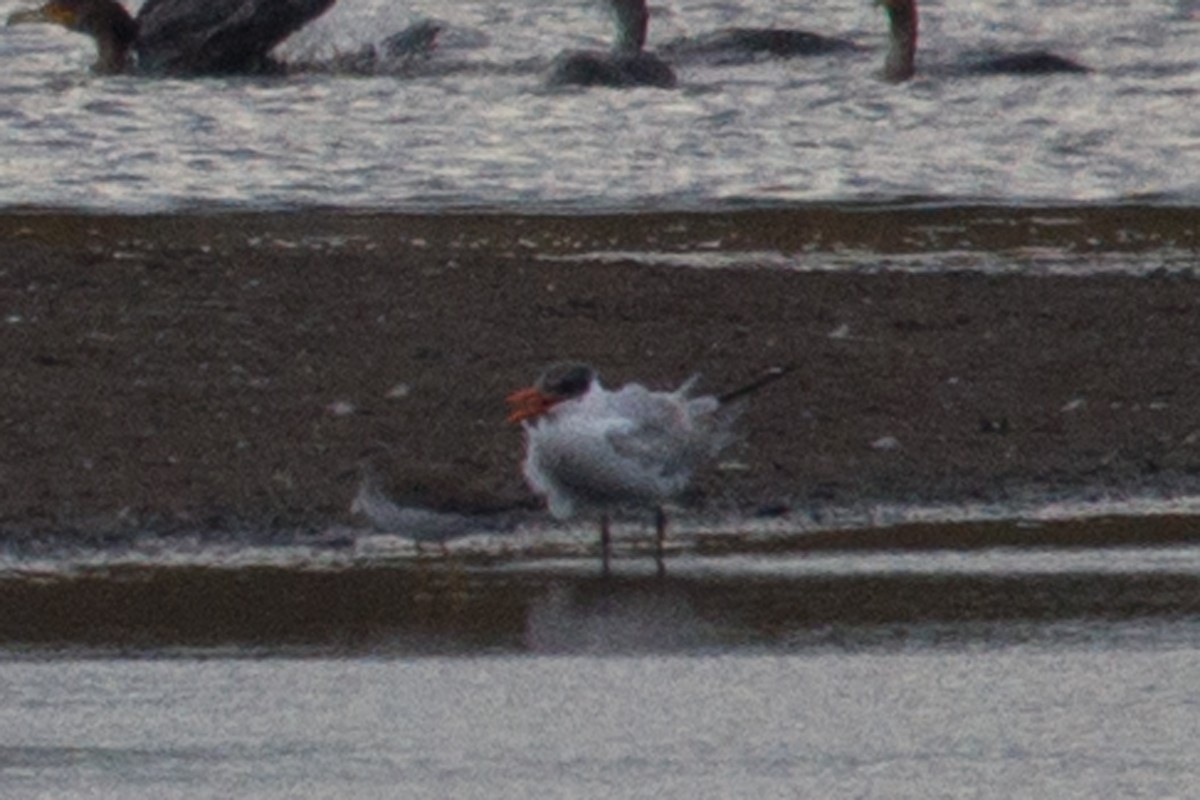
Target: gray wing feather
column 673, row 433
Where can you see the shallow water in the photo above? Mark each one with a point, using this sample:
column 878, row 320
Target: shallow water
column 1070, row 722
column 1112, row 713
column 475, row 127
column 991, row 672
column 539, row 591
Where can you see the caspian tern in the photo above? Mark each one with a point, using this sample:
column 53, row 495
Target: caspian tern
column 589, row 449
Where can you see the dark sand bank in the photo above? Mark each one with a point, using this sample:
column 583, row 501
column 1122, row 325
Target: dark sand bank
column 227, row 370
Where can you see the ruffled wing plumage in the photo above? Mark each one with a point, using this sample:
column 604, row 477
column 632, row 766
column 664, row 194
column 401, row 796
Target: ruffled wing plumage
column 630, row 447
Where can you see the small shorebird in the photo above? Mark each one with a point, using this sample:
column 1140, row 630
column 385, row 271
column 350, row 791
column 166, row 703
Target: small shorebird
column 591, row 449
column 429, row 504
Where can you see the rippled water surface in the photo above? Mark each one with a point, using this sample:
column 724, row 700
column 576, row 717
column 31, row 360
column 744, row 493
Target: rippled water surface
column 476, row 127
column 1071, row 724
column 1103, row 720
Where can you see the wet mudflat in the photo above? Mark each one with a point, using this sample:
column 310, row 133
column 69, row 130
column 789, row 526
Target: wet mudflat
column 230, row 371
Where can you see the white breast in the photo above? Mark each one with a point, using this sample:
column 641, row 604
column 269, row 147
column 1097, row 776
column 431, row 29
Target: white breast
column 629, row 447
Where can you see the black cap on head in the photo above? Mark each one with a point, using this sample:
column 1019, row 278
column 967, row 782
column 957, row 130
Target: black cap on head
column 566, row 379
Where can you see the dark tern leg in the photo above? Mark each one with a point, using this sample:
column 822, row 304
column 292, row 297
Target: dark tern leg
column 605, row 545
column 660, row 535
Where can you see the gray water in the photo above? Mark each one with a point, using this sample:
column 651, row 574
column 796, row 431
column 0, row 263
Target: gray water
column 476, row 127
column 994, row 673
column 1065, row 722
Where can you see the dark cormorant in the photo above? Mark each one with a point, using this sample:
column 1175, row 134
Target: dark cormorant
column 181, row 37
column 397, row 54
column 627, row 64
column 900, row 63
column 739, row 45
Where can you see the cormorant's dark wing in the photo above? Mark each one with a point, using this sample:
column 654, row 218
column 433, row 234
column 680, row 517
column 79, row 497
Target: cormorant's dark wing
column 1034, row 62
column 195, row 37
column 744, row 45
column 612, row 69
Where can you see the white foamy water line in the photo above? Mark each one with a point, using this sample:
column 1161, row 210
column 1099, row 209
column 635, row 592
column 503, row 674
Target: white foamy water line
column 543, row 546
column 1023, row 261
column 1174, row 560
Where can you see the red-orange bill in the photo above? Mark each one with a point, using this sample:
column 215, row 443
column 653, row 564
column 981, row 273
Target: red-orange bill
column 528, row 404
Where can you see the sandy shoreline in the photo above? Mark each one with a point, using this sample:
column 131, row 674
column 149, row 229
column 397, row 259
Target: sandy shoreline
column 217, row 371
